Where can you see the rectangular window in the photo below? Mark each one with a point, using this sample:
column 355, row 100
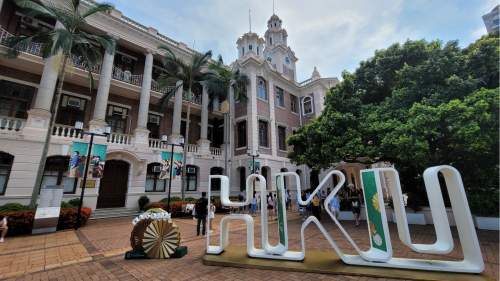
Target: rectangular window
column 153, row 125
column 241, row 128
column 294, row 101
column 191, row 179
column 261, row 89
column 280, row 97
column 263, row 138
column 16, row 99
column 282, row 138
column 71, row 110
column 307, row 105
column 117, row 118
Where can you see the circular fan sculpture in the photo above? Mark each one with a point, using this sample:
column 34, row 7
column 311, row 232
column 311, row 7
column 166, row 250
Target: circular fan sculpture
column 161, row 238
column 155, row 236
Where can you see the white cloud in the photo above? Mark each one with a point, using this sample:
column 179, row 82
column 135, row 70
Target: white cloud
column 332, row 35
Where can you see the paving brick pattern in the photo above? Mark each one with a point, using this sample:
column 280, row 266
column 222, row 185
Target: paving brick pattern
column 95, row 252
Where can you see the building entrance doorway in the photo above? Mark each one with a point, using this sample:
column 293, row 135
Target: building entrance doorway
column 114, row 183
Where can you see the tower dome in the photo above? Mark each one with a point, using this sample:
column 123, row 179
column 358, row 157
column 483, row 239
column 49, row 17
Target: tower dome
column 250, row 43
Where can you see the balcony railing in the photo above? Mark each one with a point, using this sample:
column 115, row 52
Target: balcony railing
column 118, row 138
column 215, row 151
column 31, row 48
column 194, row 98
column 157, row 143
column 127, row 76
column 9, row 124
column 65, row 131
column 81, row 64
column 193, row 148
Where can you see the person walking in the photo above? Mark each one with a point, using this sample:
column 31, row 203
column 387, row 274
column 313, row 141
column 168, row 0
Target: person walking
column 211, row 215
column 355, row 202
column 253, row 206
column 334, row 206
column 316, row 207
column 270, row 206
column 201, row 209
column 3, row 228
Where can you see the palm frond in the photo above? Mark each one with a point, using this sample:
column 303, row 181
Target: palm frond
column 34, row 8
column 99, row 8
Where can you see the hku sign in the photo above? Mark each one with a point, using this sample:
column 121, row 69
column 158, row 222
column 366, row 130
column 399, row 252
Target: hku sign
column 380, row 252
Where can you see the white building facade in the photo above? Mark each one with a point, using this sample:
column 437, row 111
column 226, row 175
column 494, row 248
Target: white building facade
column 126, row 99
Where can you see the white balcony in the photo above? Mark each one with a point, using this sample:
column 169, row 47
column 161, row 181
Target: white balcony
column 64, row 131
column 11, row 124
column 122, row 139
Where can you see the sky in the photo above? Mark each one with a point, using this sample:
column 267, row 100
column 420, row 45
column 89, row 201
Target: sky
column 334, row 35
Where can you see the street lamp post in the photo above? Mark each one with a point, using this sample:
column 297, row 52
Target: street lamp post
column 253, row 154
column 164, row 140
column 79, row 128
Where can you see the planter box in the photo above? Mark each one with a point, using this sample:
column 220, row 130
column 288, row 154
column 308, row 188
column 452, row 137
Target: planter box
column 487, row 223
column 412, row 218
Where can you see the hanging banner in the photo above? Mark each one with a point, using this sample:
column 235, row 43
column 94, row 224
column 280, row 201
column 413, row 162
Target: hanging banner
column 178, row 162
column 97, row 161
column 77, row 159
column 257, row 166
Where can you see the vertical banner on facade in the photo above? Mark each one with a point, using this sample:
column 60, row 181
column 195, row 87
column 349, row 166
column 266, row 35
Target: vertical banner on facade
column 257, row 166
column 177, row 164
column 98, row 160
column 77, row 159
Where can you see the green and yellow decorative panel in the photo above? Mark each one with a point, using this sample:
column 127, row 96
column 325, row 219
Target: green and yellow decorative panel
column 374, row 211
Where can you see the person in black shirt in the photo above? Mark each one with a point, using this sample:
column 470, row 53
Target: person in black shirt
column 201, row 209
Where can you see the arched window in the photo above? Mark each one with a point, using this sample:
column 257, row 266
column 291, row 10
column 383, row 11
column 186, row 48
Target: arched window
column 191, row 178
column 250, row 47
column 257, row 50
column 215, row 183
column 243, row 51
column 243, row 178
column 261, row 89
column 56, row 173
column 153, row 183
column 6, row 161
column 266, row 171
column 307, row 105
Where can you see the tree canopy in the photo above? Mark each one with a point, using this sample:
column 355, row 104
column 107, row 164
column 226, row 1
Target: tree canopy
column 416, row 104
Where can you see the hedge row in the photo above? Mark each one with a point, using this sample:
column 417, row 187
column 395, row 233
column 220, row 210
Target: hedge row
column 21, row 222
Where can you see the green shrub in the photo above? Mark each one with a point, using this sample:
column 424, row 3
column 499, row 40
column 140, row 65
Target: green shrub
column 143, row 201
column 13, row 207
column 21, row 222
column 484, row 202
column 75, row 202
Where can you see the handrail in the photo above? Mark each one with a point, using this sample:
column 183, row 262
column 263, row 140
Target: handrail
column 31, row 48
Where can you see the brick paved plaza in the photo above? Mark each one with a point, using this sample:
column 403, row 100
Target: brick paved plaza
column 95, row 252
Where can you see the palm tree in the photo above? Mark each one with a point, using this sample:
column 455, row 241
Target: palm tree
column 69, row 41
column 190, row 73
column 219, row 85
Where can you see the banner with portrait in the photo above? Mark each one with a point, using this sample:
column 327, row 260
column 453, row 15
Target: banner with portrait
column 178, row 163
column 97, row 161
column 78, row 157
column 257, row 166
column 78, row 160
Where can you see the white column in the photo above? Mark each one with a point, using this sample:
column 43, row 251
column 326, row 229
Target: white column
column 141, row 132
column 176, row 118
column 272, row 118
column 252, row 124
column 101, row 101
column 39, row 115
column 203, row 142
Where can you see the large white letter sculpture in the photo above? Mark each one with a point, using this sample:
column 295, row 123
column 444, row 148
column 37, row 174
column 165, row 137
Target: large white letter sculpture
column 380, row 252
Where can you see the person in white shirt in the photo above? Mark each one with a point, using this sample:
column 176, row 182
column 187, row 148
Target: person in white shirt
column 3, row 228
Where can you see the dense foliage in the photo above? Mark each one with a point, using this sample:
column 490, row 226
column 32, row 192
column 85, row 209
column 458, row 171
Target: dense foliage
column 416, row 104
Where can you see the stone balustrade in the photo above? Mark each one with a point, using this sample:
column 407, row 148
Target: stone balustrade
column 11, row 124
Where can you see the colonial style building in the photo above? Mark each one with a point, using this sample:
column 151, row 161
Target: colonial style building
column 126, row 99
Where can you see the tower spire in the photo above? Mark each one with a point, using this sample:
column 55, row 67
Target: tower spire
column 250, row 19
column 273, row 7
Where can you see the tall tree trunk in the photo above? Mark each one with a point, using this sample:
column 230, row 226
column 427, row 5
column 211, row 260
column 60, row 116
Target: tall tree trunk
column 186, row 143
column 48, row 135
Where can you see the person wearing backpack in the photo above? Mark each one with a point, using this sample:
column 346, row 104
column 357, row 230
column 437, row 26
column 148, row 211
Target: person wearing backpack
column 201, row 208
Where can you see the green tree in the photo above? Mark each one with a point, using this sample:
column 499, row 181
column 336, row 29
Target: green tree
column 70, row 40
column 415, row 104
column 190, row 73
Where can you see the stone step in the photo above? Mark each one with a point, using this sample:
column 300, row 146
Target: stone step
column 113, row 213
